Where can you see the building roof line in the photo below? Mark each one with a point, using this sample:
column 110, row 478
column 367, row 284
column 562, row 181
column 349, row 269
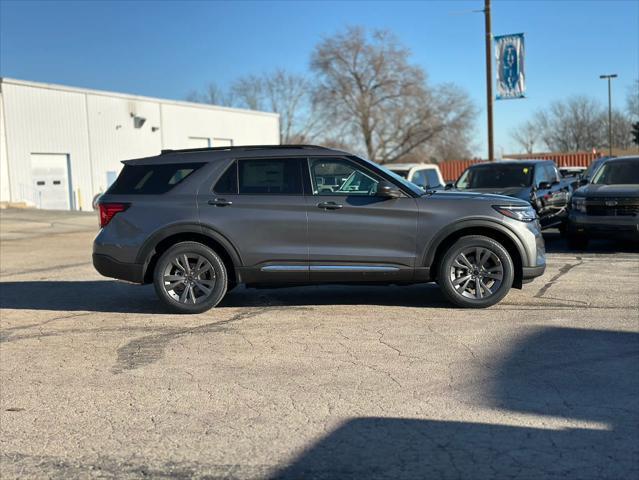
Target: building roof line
column 127, row 96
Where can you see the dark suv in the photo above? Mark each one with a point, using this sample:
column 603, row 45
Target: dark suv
column 535, row 181
column 198, row 222
column 607, row 206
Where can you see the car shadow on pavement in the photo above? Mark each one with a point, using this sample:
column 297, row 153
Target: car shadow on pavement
column 556, row 375
column 73, row 296
column 120, row 297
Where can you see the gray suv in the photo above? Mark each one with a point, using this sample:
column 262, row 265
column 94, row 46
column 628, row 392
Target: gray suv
column 197, row 222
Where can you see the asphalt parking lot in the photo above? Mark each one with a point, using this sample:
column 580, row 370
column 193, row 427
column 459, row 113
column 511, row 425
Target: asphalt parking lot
column 324, row 382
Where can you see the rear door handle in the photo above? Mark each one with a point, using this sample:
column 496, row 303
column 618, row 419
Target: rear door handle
column 330, row 205
column 220, row 202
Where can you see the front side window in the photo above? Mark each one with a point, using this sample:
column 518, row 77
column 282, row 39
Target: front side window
column 551, row 174
column 336, row 176
column 618, row 173
column 273, row 176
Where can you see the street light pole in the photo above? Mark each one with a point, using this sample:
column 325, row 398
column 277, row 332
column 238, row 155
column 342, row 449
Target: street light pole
column 489, row 80
column 609, row 78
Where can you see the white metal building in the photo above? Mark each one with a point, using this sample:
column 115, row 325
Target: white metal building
column 59, row 146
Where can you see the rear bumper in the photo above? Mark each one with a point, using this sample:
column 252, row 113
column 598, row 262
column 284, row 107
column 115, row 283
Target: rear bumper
column 109, row 267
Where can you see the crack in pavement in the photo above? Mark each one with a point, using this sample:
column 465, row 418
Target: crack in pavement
column 4, row 337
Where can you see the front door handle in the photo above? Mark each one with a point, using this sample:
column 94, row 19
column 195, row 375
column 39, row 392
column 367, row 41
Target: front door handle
column 220, row 202
column 330, row 205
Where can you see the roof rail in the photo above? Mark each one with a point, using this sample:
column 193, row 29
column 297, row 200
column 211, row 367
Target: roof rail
column 241, row 148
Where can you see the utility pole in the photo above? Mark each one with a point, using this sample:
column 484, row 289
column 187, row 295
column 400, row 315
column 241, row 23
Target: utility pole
column 609, row 78
column 489, row 81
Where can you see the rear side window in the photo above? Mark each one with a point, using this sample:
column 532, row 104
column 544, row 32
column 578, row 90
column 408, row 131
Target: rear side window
column 270, row 176
column 151, row 179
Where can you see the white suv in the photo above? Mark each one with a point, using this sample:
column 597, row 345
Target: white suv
column 424, row 175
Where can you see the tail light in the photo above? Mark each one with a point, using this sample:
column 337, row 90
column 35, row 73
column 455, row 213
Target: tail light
column 108, row 211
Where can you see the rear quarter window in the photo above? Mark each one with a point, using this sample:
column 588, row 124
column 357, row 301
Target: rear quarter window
column 151, row 179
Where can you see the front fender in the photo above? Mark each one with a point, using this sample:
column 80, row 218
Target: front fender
column 431, row 248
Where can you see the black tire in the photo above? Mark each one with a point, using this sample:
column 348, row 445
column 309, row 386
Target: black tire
column 577, row 242
column 190, row 296
column 494, row 277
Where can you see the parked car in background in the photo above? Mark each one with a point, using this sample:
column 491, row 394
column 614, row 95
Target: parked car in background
column 587, row 175
column 608, row 206
column 535, row 181
column 196, row 222
column 424, row 175
column 571, row 171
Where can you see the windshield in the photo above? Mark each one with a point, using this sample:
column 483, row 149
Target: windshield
column 618, row 173
column 594, row 165
column 402, row 181
column 496, row 176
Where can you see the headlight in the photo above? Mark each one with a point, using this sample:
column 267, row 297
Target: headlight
column 523, row 214
column 579, row 204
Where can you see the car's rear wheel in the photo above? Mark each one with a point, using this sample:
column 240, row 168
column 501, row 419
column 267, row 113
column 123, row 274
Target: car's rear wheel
column 190, row 278
column 476, row 272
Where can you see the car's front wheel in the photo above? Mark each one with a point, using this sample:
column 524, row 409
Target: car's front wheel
column 190, row 278
column 475, row 272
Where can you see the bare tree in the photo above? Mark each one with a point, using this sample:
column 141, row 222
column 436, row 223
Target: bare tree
column 577, row 123
column 632, row 100
column 369, row 92
column 213, row 95
column 285, row 93
column 621, row 130
column 279, row 91
column 526, row 135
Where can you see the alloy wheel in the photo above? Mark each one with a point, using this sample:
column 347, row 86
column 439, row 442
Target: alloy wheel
column 476, row 273
column 189, row 278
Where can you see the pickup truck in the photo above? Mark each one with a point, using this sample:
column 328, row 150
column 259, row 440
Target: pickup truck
column 536, row 181
column 425, row 175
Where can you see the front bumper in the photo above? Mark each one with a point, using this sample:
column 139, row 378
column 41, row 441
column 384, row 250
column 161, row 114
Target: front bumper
column 109, row 267
column 529, row 273
column 600, row 226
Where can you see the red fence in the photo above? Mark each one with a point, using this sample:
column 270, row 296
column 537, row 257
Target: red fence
column 452, row 169
column 577, row 159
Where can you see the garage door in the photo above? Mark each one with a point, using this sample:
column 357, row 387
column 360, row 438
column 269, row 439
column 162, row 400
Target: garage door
column 50, row 174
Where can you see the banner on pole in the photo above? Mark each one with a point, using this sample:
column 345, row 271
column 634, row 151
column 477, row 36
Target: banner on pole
column 509, row 52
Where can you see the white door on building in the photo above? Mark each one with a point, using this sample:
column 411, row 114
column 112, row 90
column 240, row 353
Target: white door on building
column 50, row 174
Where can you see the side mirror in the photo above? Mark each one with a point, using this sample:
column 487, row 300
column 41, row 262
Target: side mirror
column 388, row 190
column 544, row 185
column 449, row 186
column 583, row 181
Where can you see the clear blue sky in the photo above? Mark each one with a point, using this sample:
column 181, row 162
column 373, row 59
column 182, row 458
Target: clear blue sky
column 166, row 48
